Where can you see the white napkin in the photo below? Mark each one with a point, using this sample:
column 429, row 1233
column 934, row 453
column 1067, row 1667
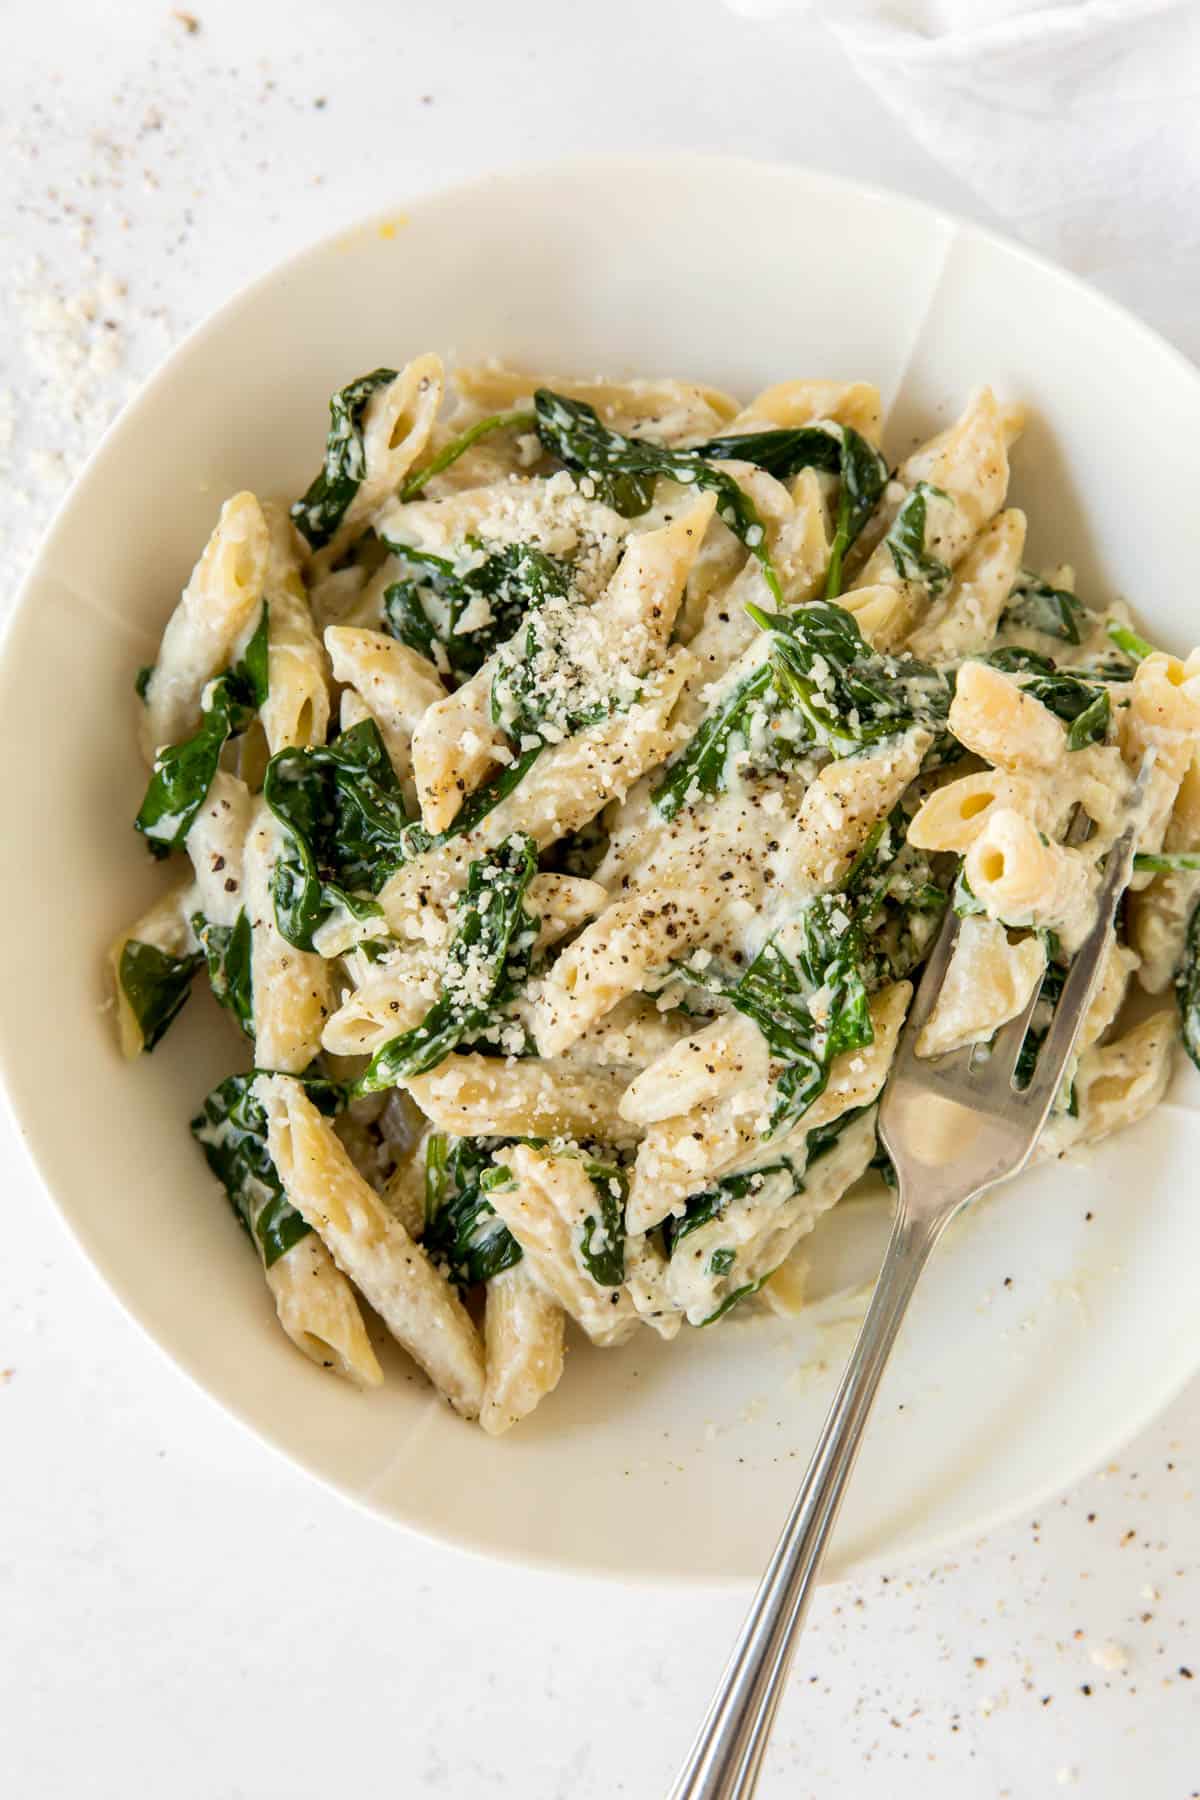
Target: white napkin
column 1077, row 121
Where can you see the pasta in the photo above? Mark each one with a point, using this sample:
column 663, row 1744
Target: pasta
column 290, row 987
column 570, row 784
column 296, row 709
column 523, row 1338
column 217, row 606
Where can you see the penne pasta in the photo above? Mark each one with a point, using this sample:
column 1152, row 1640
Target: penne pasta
column 217, row 610
column 370, row 1246
column 291, row 988
column 572, row 781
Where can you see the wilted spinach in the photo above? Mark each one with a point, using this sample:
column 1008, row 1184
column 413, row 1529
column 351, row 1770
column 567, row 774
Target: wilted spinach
column 849, row 695
column 320, row 511
column 227, row 952
column 602, row 1239
column 778, row 991
column 183, row 773
column 1034, row 605
column 344, row 822
column 1187, row 989
column 913, row 560
column 231, row 1129
column 427, row 608
column 702, row 765
column 622, row 471
column 734, row 1299
column 1129, row 643
column 487, row 962
column 823, row 673
column 834, row 450
column 155, row 985
column 1053, row 982
column 542, row 689
column 463, row 1233
column 896, row 899
column 445, row 458
column 1167, row 862
column 1082, row 705
column 715, row 1201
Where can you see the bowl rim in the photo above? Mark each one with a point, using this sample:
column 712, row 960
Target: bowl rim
column 505, row 176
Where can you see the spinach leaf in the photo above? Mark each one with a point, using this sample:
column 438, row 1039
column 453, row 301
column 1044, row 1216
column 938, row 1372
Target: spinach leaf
column 1018, row 659
column 344, row 821
column 895, row 898
column 141, row 680
column 702, row 1208
column 155, row 985
column 1167, row 862
column 1134, row 647
column 906, row 542
column 463, row 1233
column 622, row 471
column 833, row 449
column 807, row 989
column 544, row 687
column 320, row 511
column 406, row 619
column 1053, row 982
column 1187, row 989
column 864, row 476
column 732, row 1300
column 227, row 951
column 375, row 949
column 721, row 1261
column 231, row 1129
column 962, row 899
column 810, row 1006
column 849, row 696
column 510, row 421
column 1081, row 705
column 702, row 766
column 251, row 676
column 1107, row 669
column 781, row 450
column 822, row 1138
column 1034, row 605
column 476, row 807
column 487, row 961
column 821, row 673
column 602, row 1240
column 877, row 853
column 434, row 610
column 1066, row 696
column 183, row 773
column 1078, row 701
column 1091, row 725
column 715, row 1201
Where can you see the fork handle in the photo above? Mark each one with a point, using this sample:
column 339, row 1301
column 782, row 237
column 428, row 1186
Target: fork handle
column 726, row 1757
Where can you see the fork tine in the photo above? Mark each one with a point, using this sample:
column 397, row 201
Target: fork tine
column 1081, row 979
column 1006, row 1045
column 931, row 979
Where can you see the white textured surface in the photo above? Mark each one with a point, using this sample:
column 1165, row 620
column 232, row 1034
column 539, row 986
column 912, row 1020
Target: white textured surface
column 178, row 1606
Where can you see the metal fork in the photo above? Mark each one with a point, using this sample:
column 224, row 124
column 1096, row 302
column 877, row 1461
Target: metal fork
column 954, row 1126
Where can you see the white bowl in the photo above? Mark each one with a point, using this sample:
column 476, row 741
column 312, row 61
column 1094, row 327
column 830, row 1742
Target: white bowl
column 1057, row 1318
